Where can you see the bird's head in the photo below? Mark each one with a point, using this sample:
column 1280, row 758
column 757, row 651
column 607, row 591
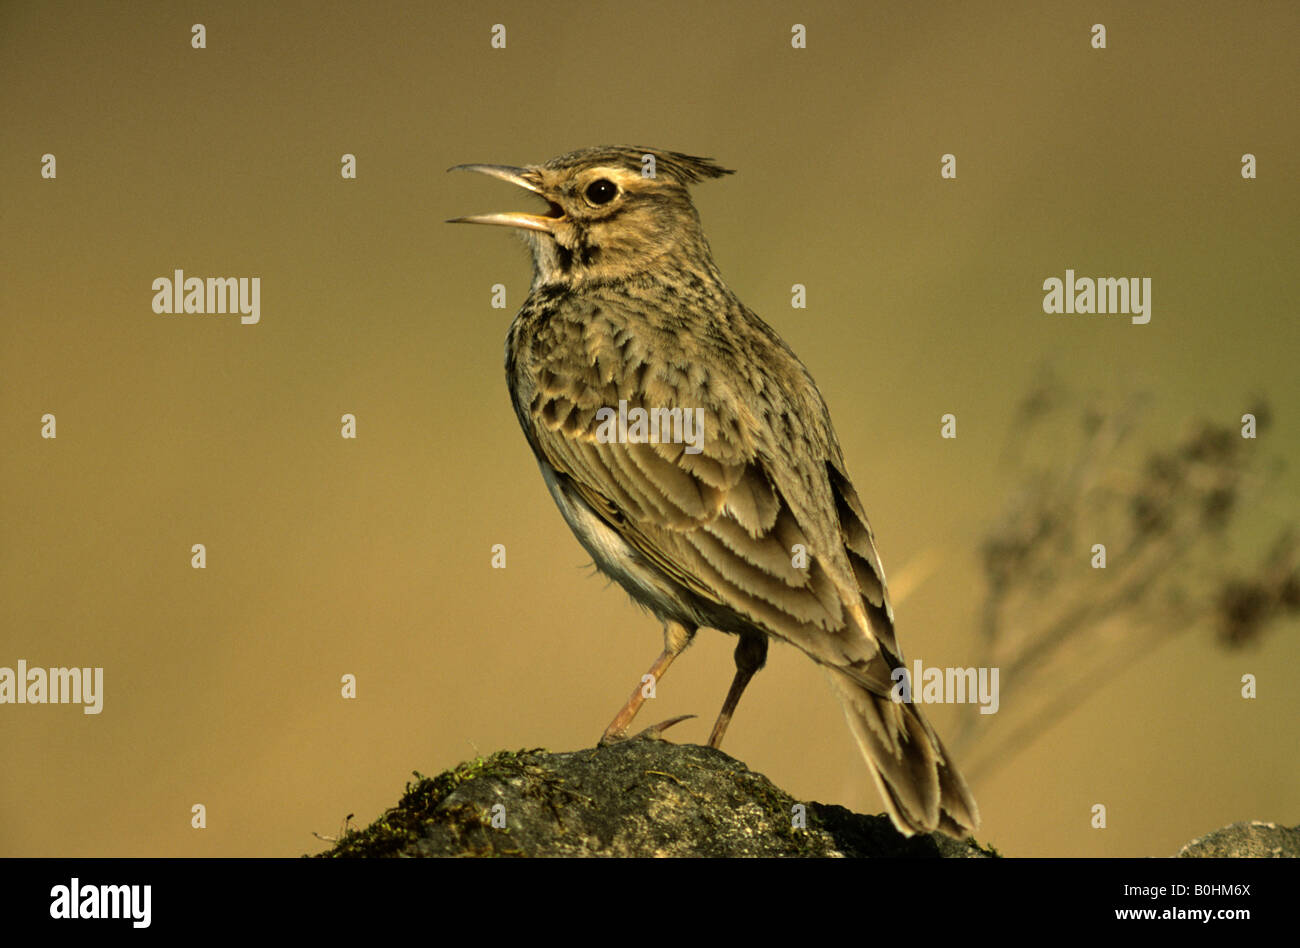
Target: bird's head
column 611, row 211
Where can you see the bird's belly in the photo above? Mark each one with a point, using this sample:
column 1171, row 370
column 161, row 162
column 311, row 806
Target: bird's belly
column 615, row 558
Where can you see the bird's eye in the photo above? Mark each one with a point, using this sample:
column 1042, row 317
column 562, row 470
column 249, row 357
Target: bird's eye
column 601, row 191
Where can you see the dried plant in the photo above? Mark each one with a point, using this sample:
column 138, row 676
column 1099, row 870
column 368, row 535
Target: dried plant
column 1168, row 518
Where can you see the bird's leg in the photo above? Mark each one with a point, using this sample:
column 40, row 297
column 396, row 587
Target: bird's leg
column 676, row 638
column 751, row 653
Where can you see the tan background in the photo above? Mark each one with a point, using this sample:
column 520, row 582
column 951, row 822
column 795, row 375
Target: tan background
column 372, row 557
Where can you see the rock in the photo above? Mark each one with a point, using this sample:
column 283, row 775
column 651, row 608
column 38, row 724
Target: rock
column 1250, row 839
column 635, row 798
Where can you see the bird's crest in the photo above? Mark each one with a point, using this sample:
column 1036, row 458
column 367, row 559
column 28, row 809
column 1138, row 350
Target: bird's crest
column 673, row 165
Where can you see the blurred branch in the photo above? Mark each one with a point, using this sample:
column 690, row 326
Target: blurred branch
column 1059, row 629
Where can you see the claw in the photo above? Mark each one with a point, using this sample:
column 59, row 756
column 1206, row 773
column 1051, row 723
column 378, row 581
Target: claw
column 653, row 733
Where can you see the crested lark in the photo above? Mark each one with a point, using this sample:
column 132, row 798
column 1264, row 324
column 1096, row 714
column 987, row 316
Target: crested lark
column 628, row 311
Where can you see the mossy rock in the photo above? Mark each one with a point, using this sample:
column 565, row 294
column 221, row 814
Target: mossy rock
column 635, row 798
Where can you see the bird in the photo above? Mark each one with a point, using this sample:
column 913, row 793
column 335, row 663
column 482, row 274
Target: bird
column 749, row 525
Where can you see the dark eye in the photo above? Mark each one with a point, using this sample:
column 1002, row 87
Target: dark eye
column 601, row 191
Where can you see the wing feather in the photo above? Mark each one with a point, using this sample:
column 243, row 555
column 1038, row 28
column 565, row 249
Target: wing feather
column 723, row 520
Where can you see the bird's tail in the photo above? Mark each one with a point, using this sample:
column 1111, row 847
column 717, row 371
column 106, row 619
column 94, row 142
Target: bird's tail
column 918, row 781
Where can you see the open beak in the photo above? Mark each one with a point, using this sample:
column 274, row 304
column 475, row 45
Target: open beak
column 520, row 177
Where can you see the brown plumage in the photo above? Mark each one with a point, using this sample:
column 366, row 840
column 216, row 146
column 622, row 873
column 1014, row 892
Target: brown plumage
column 628, row 308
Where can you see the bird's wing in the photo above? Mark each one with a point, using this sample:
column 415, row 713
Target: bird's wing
column 727, row 522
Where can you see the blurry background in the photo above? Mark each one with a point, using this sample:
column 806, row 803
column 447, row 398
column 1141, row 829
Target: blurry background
column 372, row 557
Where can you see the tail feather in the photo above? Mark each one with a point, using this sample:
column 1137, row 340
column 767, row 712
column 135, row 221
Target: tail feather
column 921, row 787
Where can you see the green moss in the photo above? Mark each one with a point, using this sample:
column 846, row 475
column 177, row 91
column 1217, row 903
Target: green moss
column 401, row 827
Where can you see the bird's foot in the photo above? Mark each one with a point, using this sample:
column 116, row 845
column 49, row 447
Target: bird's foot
column 652, row 733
